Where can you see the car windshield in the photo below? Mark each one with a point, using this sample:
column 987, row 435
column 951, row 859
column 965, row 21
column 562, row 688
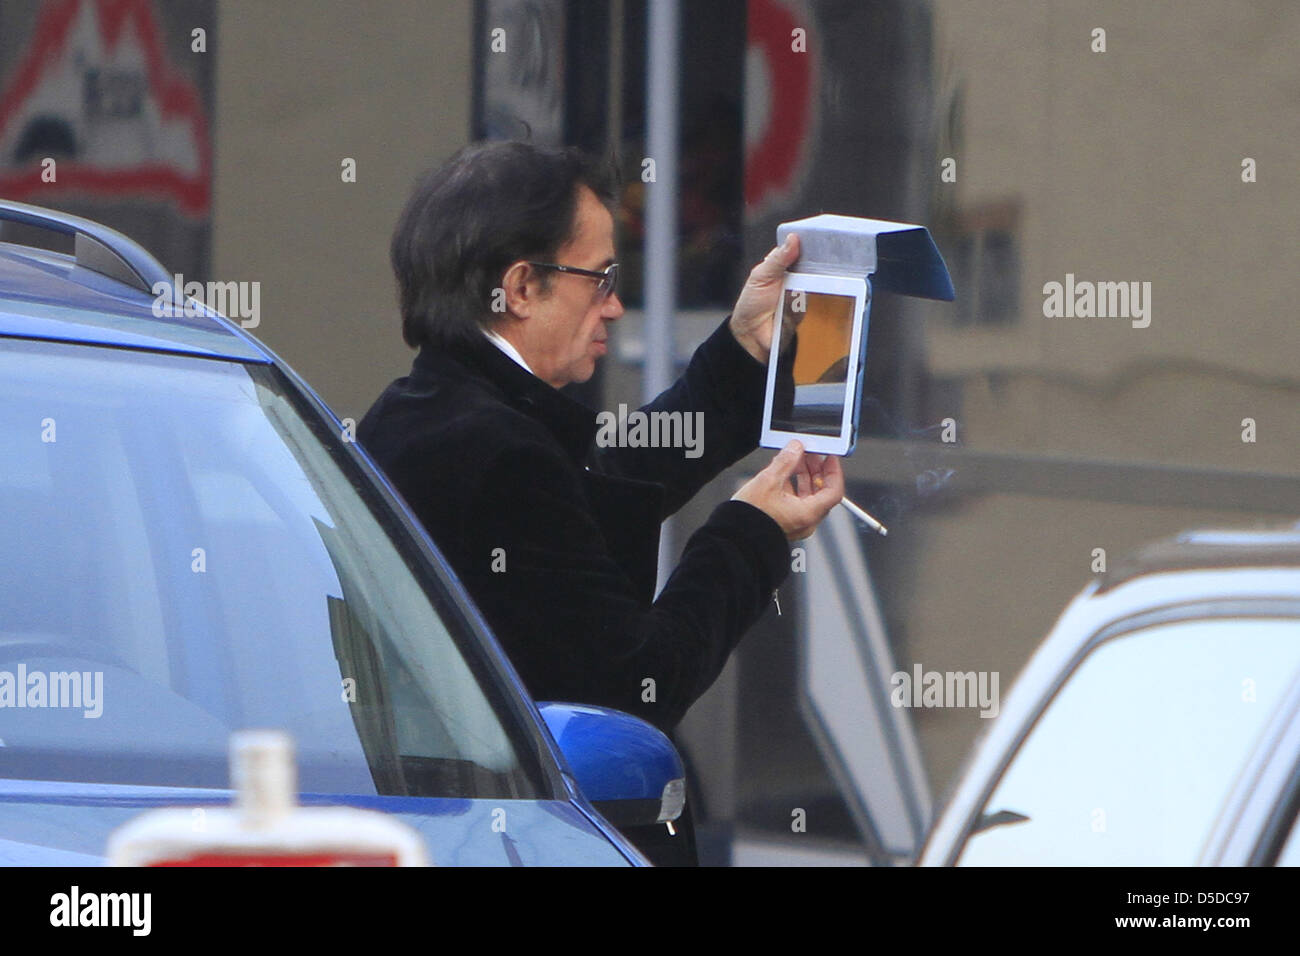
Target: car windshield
column 1133, row 758
column 183, row 554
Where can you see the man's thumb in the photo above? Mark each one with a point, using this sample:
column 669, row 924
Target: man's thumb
column 781, row 258
column 788, row 251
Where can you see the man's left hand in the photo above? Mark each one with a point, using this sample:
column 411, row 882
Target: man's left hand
column 755, row 311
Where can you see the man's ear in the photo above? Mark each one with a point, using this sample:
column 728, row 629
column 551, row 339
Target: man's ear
column 522, row 287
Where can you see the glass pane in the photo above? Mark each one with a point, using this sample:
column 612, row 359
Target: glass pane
column 1132, row 759
column 821, row 365
column 177, row 535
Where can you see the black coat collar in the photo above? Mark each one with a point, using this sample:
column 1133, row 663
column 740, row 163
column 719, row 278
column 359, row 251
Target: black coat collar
column 572, row 423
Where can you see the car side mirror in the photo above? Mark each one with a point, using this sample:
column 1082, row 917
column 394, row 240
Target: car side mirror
column 627, row 768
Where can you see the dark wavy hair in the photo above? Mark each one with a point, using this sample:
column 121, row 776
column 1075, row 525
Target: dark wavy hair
column 466, row 221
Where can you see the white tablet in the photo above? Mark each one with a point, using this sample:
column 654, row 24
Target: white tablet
column 830, row 356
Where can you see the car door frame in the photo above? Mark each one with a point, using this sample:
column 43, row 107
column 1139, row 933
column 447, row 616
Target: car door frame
column 1260, row 811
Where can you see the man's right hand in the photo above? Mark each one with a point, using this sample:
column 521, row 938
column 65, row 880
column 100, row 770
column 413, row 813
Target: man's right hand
column 819, row 486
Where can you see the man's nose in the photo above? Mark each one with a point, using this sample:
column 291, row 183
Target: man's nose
column 613, row 307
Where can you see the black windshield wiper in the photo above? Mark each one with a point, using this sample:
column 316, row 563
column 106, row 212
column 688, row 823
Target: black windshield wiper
column 988, row 821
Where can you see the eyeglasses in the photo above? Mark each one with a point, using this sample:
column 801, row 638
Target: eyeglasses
column 607, row 279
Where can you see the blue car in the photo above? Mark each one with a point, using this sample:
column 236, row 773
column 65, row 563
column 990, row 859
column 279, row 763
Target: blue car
column 191, row 544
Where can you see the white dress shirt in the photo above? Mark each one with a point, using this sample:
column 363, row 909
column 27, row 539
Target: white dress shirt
column 504, row 345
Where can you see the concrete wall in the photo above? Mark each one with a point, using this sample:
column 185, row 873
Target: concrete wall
column 300, row 86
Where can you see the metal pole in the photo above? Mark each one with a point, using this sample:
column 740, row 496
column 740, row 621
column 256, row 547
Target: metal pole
column 614, row 82
column 661, row 218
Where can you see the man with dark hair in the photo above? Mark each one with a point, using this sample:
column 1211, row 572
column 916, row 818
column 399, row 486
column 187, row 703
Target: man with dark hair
column 505, row 265
column 467, row 220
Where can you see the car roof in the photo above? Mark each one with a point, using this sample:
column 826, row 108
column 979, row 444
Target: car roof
column 1207, row 549
column 48, row 295
column 1191, row 570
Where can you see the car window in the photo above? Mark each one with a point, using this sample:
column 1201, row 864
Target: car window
column 181, row 556
column 1133, row 757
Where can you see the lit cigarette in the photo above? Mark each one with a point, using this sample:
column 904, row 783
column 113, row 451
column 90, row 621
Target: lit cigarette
column 865, row 518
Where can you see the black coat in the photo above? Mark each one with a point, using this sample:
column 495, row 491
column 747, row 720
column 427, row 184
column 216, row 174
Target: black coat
column 491, row 457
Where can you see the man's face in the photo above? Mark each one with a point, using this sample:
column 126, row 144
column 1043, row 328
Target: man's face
column 569, row 331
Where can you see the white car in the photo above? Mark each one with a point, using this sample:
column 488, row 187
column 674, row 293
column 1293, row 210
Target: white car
column 1157, row 725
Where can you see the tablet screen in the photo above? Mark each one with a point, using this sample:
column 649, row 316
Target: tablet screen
column 821, row 365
